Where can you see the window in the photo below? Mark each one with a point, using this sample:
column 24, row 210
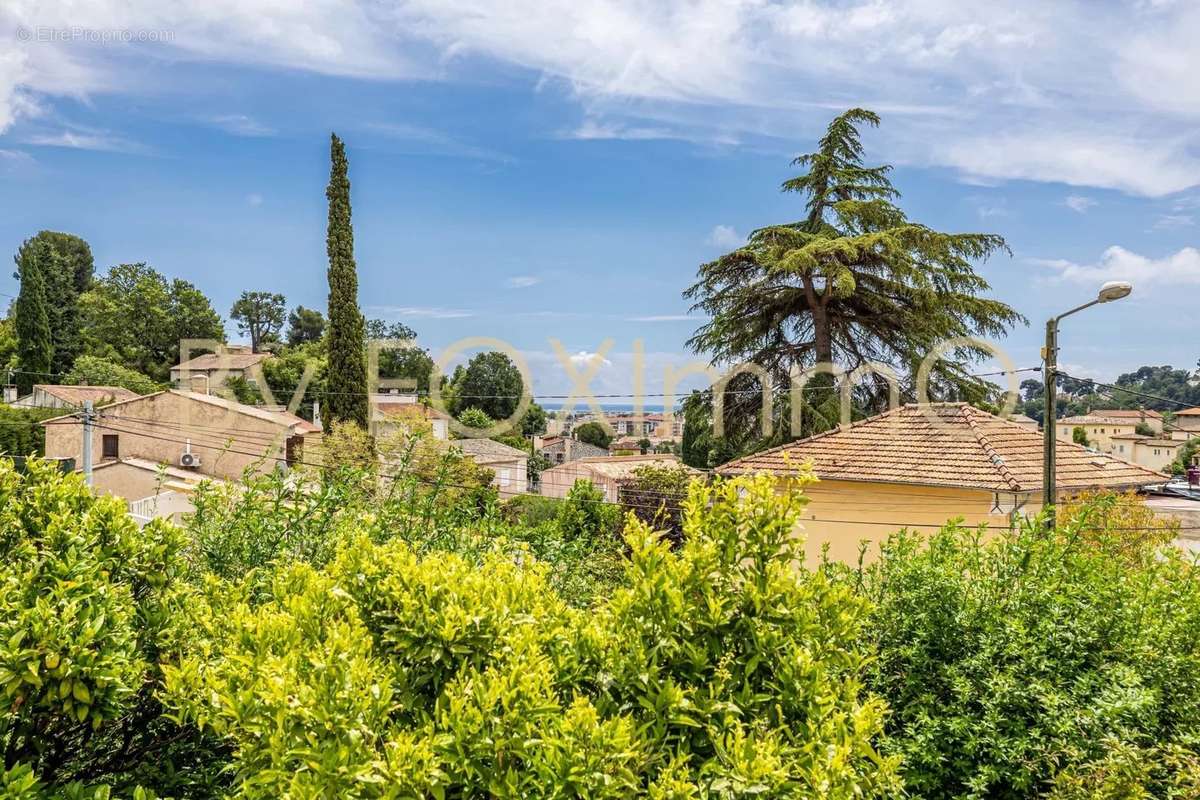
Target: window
column 110, row 446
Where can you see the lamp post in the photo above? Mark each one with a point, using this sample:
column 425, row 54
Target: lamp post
column 1113, row 290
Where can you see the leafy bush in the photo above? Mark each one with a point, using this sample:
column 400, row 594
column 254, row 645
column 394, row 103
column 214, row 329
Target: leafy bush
column 585, row 514
column 20, row 433
column 717, row 671
column 655, row 495
column 86, row 602
column 1031, row 663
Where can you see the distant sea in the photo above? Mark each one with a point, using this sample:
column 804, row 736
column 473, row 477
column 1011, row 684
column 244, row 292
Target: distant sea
column 649, row 408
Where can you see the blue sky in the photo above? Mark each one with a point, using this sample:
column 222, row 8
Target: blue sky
column 560, row 169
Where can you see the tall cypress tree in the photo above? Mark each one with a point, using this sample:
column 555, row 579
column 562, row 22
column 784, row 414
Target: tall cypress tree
column 35, row 344
column 69, row 276
column 347, row 400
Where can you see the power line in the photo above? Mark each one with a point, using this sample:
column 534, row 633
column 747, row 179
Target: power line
column 1134, row 392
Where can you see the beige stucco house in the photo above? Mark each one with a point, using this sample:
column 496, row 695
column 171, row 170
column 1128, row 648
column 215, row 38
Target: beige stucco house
column 606, row 472
column 919, row 466
column 215, row 436
column 73, row 397
column 1103, row 426
column 207, row 373
column 1186, row 424
column 152, row 491
column 397, row 413
column 1150, row 451
column 509, row 466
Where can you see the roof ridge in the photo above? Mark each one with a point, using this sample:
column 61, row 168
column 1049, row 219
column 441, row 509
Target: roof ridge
column 834, row 430
column 993, row 455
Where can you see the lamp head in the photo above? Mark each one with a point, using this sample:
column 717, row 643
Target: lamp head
column 1114, row 290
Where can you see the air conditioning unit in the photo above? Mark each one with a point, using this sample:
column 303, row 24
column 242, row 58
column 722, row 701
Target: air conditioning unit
column 189, row 459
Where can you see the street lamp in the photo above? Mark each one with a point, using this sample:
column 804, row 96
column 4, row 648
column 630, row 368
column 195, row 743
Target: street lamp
column 1113, row 290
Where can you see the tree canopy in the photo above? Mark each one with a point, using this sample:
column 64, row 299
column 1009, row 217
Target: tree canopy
column 490, row 382
column 593, row 433
column 66, row 274
column 35, row 343
column 852, row 282
column 261, row 315
column 305, row 325
column 136, row 317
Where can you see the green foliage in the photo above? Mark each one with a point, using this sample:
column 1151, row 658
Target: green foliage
column 8, row 343
column 86, row 602
column 593, row 433
column 655, row 495
column 94, row 371
column 1079, row 435
column 35, row 343
column 412, row 364
column 475, row 418
column 136, row 317
column 285, row 371
column 243, row 390
column 1187, row 455
column 719, row 671
column 585, row 514
column 534, row 421
column 261, row 315
column 305, row 325
column 490, row 382
column 1023, row 664
column 66, row 273
column 20, row 433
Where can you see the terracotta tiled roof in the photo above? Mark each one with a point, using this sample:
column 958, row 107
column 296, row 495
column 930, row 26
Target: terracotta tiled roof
column 1126, row 413
column 944, row 444
column 621, row 467
column 77, row 395
column 1189, row 412
column 406, row 410
column 210, row 361
column 1097, row 418
column 485, row 450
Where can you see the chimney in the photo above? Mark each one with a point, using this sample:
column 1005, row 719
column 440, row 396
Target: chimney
column 10, row 394
column 317, row 413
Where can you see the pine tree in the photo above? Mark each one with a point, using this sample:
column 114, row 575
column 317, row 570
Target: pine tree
column 853, row 282
column 35, row 344
column 347, row 379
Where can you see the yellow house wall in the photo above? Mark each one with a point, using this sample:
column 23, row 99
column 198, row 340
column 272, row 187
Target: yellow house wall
column 1156, row 457
column 1099, row 436
column 843, row 514
column 171, row 419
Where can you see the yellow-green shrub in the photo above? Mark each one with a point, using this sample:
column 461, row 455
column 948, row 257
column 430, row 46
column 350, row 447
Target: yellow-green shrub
column 86, row 600
column 716, row 671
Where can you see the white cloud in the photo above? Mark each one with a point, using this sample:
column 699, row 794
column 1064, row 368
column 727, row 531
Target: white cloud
column 430, row 312
column 1117, row 263
column 254, row 199
column 1168, row 222
column 242, row 125
column 724, row 236
column 583, row 358
column 522, row 281
column 1065, row 94
column 661, row 318
column 85, row 140
column 1080, row 203
column 1078, row 159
